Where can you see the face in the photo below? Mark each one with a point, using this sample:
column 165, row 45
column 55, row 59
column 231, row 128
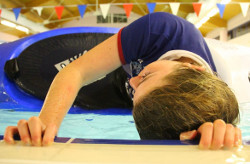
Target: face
column 151, row 77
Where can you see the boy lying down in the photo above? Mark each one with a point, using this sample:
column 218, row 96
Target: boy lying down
column 169, row 78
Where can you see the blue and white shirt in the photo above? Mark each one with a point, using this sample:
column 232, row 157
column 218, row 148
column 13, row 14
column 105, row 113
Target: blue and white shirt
column 148, row 38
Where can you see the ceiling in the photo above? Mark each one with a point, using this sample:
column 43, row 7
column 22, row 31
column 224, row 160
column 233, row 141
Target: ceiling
column 49, row 19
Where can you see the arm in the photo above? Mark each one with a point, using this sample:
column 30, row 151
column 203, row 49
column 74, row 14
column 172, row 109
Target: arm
column 96, row 63
column 88, row 68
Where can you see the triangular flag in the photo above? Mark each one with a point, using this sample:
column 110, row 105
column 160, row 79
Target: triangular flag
column 244, row 7
column 128, row 9
column 197, row 8
column 221, row 8
column 0, row 13
column 16, row 12
column 104, row 9
column 39, row 10
column 59, row 10
column 174, row 7
column 82, row 9
column 151, row 7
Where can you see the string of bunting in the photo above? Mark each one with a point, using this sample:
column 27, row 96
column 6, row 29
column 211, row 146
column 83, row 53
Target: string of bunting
column 128, row 8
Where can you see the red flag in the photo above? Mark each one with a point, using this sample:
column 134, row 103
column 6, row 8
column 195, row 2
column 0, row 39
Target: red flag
column 197, row 8
column 128, row 8
column 59, row 10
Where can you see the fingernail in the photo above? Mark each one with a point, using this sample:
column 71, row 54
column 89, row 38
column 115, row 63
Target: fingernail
column 48, row 143
column 202, row 147
column 37, row 143
column 27, row 142
column 214, row 147
column 10, row 141
column 238, row 142
column 186, row 135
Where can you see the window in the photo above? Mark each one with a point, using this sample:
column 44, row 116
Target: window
column 240, row 30
column 112, row 18
column 119, row 18
column 100, row 19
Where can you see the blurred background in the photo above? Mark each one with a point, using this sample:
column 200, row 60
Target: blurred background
column 226, row 20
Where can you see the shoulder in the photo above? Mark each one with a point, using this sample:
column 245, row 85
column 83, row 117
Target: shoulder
column 163, row 17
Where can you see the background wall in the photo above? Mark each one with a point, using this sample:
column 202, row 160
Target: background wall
column 221, row 33
column 91, row 20
column 4, row 37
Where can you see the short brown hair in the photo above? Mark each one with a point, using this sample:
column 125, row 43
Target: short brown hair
column 189, row 99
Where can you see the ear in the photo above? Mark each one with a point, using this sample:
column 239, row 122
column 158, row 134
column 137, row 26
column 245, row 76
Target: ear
column 196, row 67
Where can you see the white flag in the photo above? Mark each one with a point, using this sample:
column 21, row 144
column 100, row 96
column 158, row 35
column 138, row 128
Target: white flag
column 174, row 7
column 104, row 9
column 39, row 10
column 244, row 7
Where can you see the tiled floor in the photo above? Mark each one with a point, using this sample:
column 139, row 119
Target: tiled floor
column 64, row 153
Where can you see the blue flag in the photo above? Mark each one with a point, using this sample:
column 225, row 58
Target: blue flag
column 151, row 7
column 16, row 12
column 82, row 9
column 221, row 8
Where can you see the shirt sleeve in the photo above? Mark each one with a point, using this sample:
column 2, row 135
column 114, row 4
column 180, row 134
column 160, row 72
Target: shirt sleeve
column 152, row 35
column 146, row 38
column 132, row 40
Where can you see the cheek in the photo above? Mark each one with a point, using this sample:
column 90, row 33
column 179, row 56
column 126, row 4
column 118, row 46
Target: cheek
column 135, row 98
column 139, row 93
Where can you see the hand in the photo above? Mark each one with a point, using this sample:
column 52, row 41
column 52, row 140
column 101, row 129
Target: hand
column 32, row 132
column 215, row 135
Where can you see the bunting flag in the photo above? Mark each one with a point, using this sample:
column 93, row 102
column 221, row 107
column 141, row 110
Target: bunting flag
column 151, row 7
column 39, row 10
column 104, row 9
column 128, row 8
column 244, row 7
column 16, row 12
column 221, row 8
column 0, row 13
column 197, row 8
column 59, row 10
column 174, row 7
column 82, row 9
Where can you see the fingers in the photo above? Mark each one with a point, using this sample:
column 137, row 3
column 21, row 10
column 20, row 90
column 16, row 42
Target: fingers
column 237, row 137
column 35, row 128
column 218, row 134
column 206, row 131
column 24, row 133
column 9, row 133
column 32, row 132
column 229, row 136
column 214, row 135
column 49, row 135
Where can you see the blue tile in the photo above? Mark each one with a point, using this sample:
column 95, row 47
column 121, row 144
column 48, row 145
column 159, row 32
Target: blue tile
column 61, row 139
column 134, row 142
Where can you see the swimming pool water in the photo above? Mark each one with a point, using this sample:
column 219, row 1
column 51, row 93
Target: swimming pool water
column 91, row 126
column 98, row 126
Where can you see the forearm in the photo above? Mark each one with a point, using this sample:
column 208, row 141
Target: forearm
column 61, row 96
column 88, row 68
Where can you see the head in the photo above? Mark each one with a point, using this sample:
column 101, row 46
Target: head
column 180, row 100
